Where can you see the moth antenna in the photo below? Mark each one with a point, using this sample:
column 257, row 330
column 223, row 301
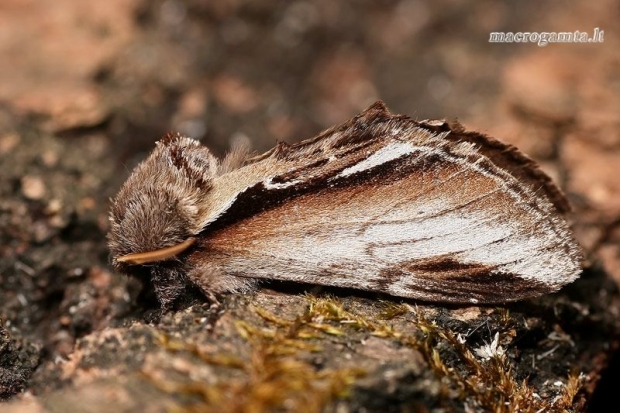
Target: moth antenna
column 157, row 255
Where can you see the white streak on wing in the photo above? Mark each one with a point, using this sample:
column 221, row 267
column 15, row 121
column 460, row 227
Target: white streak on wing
column 391, row 151
column 270, row 185
column 440, row 235
column 472, row 238
column 481, row 237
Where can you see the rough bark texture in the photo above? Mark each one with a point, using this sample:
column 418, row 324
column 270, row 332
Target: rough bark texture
column 86, row 91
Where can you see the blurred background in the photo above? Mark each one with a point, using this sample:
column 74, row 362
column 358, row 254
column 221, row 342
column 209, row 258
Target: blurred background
column 86, row 88
column 221, row 70
column 132, row 70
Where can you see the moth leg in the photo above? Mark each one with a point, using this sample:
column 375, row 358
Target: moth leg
column 213, row 284
column 213, row 300
column 212, row 281
column 215, row 310
column 169, row 285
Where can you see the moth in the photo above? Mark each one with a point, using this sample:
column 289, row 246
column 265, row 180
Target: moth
column 382, row 203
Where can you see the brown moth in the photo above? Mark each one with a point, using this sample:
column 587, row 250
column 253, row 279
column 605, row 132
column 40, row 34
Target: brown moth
column 382, row 203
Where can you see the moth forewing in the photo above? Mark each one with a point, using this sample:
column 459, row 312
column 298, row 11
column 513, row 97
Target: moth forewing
column 412, row 219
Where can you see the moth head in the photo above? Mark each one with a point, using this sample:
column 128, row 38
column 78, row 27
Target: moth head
column 159, row 209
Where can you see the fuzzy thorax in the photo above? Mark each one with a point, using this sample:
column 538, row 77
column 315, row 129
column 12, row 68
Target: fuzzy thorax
column 160, row 204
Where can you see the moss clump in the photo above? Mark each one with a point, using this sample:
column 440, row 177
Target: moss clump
column 274, row 374
column 485, row 383
column 277, row 372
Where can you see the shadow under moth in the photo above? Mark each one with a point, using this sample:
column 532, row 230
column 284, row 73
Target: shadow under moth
column 382, row 203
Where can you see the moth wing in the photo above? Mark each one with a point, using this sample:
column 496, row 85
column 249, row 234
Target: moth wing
column 418, row 216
